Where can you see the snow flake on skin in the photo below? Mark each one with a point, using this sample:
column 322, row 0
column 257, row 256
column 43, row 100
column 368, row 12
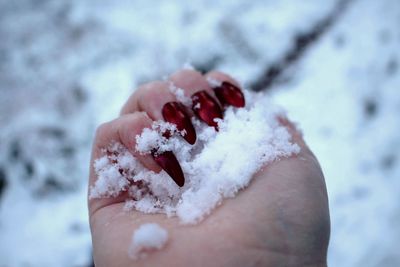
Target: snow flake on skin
column 146, row 239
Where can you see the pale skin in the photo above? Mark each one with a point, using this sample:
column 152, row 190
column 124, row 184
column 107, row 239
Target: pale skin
column 280, row 219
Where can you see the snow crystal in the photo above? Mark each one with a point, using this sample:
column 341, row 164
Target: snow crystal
column 217, row 166
column 148, row 237
column 188, row 66
column 154, row 138
column 180, row 95
column 110, row 181
column 213, row 82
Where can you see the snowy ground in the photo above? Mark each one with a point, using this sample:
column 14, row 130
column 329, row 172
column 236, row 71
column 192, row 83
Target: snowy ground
column 66, row 66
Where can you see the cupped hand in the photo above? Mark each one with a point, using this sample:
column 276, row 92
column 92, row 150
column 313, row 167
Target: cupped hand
column 280, row 219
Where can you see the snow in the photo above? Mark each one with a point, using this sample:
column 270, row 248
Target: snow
column 179, row 94
column 67, row 66
column 217, row 166
column 148, row 237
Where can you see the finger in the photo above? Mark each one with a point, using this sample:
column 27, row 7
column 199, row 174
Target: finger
column 122, row 130
column 226, row 89
column 205, row 105
column 158, row 101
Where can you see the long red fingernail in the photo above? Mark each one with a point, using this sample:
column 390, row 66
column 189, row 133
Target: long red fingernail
column 175, row 113
column 206, row 108
column 170, row 164
column 229, row 94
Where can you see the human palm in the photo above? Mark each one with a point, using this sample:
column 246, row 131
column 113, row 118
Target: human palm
column 280, row 219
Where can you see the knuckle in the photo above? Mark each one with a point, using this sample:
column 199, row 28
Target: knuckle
column 153, row 85
column 185, row 72
column 216, row 73
column 101, row 133
column 101, row 129
column 221, row 76
column 145, row 93
column 149, row 89
column 141, row 118
column 141, row 93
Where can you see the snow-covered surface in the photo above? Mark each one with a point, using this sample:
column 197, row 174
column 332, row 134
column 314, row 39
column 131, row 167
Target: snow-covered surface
column 217, row 166
column 147, row 238
column 66, row 66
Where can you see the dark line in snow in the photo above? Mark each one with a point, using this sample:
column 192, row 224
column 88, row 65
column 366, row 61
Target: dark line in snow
column 301, row 43
column 3, row 181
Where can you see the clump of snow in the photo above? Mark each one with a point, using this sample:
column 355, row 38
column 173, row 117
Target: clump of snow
column 217, row 166
column 155, row 138
column 213, row 82
column 180, row 95
column 148, row 237
column 188, row 66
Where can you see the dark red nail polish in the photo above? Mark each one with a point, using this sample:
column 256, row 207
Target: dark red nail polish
column 230, row 95
column 206, row 108
column 170, row 164
column 175, row 113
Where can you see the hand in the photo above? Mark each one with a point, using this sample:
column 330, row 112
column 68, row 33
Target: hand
column 280, row 219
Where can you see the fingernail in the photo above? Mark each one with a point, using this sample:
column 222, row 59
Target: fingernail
column 230, row 95
column 170, row 164
column 175, row 113
column 206, row 108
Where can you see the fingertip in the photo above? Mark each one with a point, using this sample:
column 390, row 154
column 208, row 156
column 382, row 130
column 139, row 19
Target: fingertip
column 147, row 97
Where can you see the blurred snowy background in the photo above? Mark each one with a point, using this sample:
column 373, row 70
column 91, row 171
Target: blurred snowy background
column 68, row 65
